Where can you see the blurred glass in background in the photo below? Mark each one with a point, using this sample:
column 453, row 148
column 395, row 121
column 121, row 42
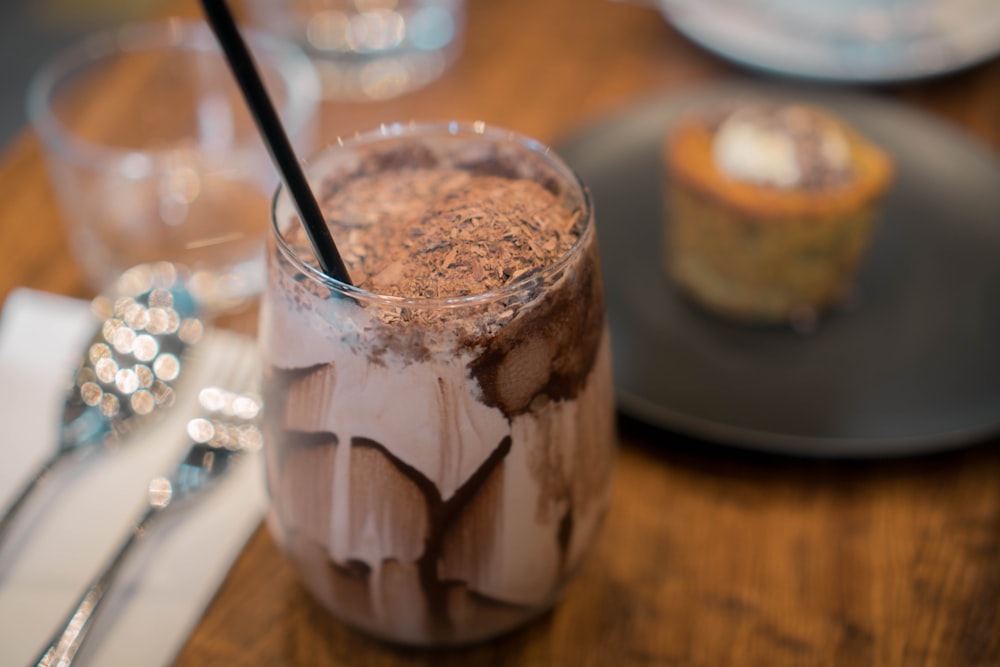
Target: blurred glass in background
column 154, row 156
column 368, row 49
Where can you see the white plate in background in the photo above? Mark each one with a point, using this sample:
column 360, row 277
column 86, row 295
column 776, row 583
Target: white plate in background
column 860, row 41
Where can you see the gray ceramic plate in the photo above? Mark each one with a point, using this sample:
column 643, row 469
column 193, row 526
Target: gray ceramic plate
column 913, row 365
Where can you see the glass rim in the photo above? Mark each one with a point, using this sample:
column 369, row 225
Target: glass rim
column 285, row 58
column 452, row 128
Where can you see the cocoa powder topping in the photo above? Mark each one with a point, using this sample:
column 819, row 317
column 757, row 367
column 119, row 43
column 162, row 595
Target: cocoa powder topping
column 420, row 232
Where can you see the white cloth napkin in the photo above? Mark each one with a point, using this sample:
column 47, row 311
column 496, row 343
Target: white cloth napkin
column 76, row 520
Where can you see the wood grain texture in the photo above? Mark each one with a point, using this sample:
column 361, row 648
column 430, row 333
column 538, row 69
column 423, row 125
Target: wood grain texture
column 708, row 556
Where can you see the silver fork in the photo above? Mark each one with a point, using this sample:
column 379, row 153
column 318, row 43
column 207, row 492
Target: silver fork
column 226, row 430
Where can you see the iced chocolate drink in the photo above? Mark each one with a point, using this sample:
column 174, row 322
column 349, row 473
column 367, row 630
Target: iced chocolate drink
column 440, row 436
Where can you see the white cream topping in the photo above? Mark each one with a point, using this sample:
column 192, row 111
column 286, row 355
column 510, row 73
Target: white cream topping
column 784, row 147
column 748, row 152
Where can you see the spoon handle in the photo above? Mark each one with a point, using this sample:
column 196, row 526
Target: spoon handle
column 11, row 511
column 66, row 642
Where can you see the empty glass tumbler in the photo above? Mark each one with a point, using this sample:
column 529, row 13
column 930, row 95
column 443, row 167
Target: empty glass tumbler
column 154, row 155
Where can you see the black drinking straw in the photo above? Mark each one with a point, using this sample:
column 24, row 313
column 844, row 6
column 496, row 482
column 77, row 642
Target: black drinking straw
column 275, row 138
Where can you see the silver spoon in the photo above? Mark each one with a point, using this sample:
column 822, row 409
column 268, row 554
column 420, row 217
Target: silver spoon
column 128, row 370
column 218, row 441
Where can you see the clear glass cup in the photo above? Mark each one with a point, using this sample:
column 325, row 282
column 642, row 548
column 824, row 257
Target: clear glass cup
column 438, row 466
column 368, row 49
column 154, row 156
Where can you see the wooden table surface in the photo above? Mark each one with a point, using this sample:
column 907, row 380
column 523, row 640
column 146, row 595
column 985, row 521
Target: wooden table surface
column 709, row 556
